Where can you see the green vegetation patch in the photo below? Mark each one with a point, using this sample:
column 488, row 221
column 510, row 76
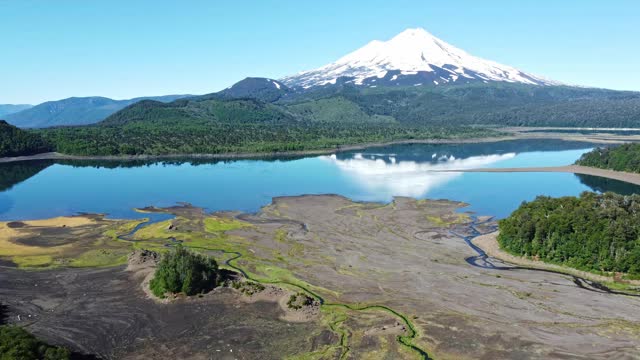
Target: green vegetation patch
column 101, row 258
column 30, row 261
column 337, row 109
column 219, row 224
column 17, row 343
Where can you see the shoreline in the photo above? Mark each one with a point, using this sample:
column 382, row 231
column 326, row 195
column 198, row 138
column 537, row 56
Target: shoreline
column 489, row 244
column 597, row 139
column 627, row 177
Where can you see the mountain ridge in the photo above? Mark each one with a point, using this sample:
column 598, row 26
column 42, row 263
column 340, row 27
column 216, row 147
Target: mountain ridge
column 75, row 111
column 7, row 109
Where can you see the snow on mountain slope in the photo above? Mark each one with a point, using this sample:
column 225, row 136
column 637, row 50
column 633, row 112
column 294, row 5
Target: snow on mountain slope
column 413, row 57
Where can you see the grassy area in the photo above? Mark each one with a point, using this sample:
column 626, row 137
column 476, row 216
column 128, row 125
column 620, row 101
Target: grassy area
column 31, row 261
column 77, row 242
column 219, row 224
column 101, row 258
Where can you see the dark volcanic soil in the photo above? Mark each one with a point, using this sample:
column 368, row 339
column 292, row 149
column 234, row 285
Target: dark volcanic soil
column 105, row 312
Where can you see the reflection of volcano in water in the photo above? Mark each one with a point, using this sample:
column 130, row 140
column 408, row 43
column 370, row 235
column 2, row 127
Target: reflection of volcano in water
column 388, row 177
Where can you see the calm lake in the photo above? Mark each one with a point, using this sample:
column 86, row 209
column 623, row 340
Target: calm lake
column 41, row 189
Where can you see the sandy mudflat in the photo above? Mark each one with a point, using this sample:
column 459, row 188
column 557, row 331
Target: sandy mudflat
column 409, row 256
column 575, row 169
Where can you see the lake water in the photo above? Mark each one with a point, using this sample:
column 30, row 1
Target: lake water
column 31, row 190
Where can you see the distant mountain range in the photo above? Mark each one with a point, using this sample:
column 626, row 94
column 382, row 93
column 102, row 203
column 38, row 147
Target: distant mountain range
column 6, row 109
column 75, row 111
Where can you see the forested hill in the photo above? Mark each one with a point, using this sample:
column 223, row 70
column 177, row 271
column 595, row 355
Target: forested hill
column 212, row 126
column 262, row 115
column 75, row 111
column 620, row 158
column 494, row 104
column 17, row 142
column 593, row 232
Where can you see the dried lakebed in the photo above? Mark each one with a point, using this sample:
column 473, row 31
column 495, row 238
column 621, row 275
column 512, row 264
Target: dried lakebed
column 396, row 280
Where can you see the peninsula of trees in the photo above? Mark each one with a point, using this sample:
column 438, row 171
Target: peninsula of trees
column 592, row 232
column 620, row 158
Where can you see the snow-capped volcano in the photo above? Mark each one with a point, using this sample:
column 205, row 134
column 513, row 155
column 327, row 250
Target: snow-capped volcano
column 413, row 57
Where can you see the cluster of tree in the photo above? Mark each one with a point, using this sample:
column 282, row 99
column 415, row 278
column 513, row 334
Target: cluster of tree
column 183, row 271
column 620, row 158
column 17, row 343
column 18, row 142
column 593, row 232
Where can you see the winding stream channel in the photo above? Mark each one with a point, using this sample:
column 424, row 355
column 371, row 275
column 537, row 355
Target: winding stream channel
column 481, row 260
column 405, row 340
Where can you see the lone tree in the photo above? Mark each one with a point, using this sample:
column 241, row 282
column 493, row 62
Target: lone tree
column 183, row 271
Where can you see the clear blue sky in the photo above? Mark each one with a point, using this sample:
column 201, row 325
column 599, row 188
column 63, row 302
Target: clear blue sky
column 121, row 49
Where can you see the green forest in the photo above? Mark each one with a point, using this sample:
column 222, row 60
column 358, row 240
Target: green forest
column 592, row 232
column 254, row 118
column 17, row 142
column 620, row 158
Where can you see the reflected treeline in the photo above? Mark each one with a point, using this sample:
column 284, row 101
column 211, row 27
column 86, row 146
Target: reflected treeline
column 601, row 184
column 425, row 152
column 15, row 173
column 12, row 174
column 193, row 161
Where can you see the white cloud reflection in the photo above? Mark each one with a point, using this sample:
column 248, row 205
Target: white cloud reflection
column 408, row 178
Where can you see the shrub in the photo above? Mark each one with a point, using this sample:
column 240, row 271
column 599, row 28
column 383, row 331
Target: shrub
column 247, row 288
column 299, row 300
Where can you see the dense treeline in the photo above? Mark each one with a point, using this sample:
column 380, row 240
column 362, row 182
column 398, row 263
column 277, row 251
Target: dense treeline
column 17, row 343
column 620, row 158
column 17, row 142
column 593, row 232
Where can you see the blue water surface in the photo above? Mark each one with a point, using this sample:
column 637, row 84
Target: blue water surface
column 32, row 190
